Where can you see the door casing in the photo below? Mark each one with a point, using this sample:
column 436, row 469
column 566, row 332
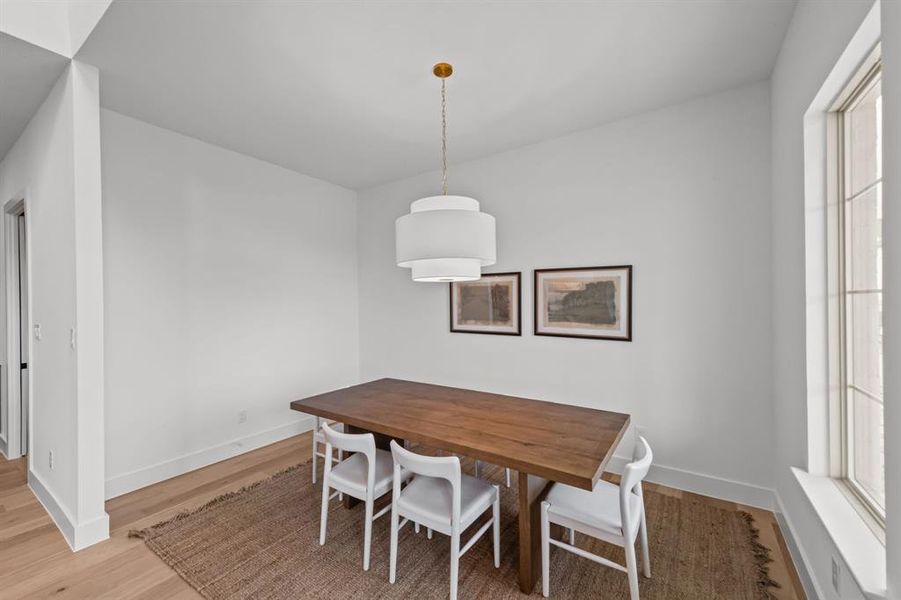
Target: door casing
column 17, row 408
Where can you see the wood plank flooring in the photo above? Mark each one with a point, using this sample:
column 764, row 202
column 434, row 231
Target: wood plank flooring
column 36, row 562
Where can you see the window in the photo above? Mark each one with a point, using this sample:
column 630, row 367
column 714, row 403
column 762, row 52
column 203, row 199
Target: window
column 859, row 273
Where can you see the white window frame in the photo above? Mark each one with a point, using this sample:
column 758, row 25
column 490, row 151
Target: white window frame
column 841, row 467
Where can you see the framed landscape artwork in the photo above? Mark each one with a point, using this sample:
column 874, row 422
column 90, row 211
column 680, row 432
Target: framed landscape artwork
column 587, row 302
column 489, row 305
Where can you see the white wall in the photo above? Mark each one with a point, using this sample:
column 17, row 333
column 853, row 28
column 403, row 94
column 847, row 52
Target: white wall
column 83, row 17
column 60, row 26
column 818, row 34
column 230, row 285
column 44, row 24
column 681, row 194
column 55, row 167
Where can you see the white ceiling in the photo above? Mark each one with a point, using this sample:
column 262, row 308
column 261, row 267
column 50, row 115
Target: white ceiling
column 343, row 91
column 27, row 73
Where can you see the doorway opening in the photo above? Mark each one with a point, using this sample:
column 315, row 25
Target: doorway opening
column 18, row 323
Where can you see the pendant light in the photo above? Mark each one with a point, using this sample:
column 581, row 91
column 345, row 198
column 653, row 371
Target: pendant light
column 445, row 238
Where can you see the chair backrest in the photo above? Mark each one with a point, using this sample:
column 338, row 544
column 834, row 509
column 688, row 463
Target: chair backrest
column 443, row 467
column 350, row 442
column 364, row 443
column 633, row 474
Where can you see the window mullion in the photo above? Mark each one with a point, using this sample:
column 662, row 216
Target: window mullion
column 867, row 188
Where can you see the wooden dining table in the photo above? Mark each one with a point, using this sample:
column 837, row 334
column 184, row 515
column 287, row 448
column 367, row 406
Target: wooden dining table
column 544, row 442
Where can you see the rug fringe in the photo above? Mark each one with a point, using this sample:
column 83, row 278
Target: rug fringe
column 762, row 558
column 144, row 534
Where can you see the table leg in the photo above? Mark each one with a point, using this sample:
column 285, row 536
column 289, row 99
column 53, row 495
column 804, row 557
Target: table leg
column 382, row 441
column 532, row 491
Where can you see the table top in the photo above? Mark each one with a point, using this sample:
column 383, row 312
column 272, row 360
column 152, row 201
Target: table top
column 559, row 442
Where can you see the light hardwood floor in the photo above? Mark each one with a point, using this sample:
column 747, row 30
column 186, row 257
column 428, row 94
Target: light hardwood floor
column 35, row 561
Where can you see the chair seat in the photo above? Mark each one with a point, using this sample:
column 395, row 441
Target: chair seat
column 317, row 433
column 598, row 508
column 350, row 474
column 430, row 499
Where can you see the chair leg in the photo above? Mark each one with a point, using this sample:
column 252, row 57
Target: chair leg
column 545, row 551
column 392, row 561
column 631, row 568
column 496, row 527
column 476, row 468
column 507, row 476
column 428, row 532
column 315, row 460
column 323, row 518
column 367, row 533
column 454, row 563
column 416, row 527
column 340, row 458
column 645, row 553
column 572, row 537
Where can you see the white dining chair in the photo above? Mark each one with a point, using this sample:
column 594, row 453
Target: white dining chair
column 319, row 440
column 612, row 513
column 365, row 475
column 442, row 499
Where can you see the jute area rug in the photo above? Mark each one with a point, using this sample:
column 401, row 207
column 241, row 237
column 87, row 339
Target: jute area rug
column 262, row 543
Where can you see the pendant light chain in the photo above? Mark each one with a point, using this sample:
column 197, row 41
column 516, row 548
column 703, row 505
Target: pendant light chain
column 443, row 138
column 445, row 238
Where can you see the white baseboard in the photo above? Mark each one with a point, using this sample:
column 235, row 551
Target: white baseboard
column 706, row 485
column 91, row 532
column 135, row 480
column 57, row 512
column 77, row 535
column 799, row 558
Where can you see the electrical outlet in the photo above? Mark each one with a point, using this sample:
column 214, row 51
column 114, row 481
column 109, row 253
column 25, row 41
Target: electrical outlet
column 836, row 570
column 242, row 417
column 37, row 331
column 50, row 459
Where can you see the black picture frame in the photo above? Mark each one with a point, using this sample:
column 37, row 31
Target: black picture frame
column 537, row 307
column 487, row 329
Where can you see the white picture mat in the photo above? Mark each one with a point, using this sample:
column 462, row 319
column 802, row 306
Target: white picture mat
column 514, row 307
column 588, row 274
